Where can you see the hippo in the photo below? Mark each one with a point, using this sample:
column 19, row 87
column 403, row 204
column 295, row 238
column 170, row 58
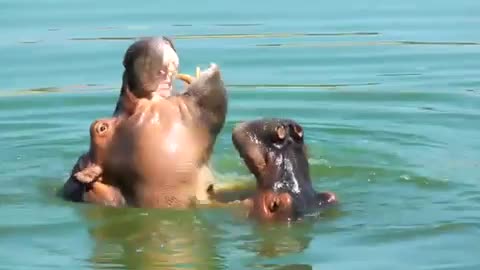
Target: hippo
column 274, row 151
column 150, row 65
column 159, row 156
column 158, row 153
column 154, row 151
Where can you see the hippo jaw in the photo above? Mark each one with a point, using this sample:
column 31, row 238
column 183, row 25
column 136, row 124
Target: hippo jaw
column 274, row 151
column 150, row 67
column 101, row 134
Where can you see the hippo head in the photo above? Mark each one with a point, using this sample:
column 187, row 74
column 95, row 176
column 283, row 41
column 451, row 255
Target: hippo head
column 274, row 151
column 101, row 134
column 150, row 67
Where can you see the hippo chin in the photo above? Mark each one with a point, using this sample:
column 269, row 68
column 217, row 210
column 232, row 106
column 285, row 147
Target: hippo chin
column 275, row 153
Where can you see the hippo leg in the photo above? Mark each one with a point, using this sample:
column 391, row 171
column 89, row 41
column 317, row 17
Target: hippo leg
column 95, row 190
column 72, row 189
column 275, row 153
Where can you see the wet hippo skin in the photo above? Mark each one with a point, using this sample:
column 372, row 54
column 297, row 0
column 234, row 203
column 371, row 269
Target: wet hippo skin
column 158, row 155
column 274, row 151
column 154, row 151
column 150, row 65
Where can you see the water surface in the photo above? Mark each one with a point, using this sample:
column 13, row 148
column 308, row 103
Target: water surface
column 388, row 93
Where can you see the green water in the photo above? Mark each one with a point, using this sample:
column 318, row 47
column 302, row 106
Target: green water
column 388, row 93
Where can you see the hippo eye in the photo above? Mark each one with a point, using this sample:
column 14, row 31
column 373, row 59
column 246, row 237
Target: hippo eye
column 102, row 128
column 297, row 132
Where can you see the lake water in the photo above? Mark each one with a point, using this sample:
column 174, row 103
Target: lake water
column 388, row 93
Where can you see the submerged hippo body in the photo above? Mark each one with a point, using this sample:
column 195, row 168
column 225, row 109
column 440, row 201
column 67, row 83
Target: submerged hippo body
column 275, row 153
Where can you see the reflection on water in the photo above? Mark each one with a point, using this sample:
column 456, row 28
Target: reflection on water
column 135, row 239
column 278, row 240
column 175, row 239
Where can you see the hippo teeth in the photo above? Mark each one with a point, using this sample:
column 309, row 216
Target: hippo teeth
column 164, row 86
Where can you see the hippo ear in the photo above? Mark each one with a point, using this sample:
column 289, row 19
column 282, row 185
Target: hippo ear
column 170, row 42
column 326, row 198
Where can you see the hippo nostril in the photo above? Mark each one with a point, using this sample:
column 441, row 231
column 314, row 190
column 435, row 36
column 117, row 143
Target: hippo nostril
column 101, row 127
column 298, row 131
column 281, row 132
column 274, row 205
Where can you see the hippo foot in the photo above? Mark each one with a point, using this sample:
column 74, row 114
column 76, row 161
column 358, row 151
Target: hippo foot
column 105, row 195
column 89, row 175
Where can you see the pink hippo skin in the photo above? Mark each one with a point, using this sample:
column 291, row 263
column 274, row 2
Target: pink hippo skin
column 150, row 67
column 157, row 155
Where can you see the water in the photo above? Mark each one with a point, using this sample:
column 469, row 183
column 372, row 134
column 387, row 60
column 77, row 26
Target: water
column 388, row 93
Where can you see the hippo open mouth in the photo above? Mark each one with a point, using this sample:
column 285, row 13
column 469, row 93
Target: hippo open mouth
column 150, row 67
column 274, row 151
